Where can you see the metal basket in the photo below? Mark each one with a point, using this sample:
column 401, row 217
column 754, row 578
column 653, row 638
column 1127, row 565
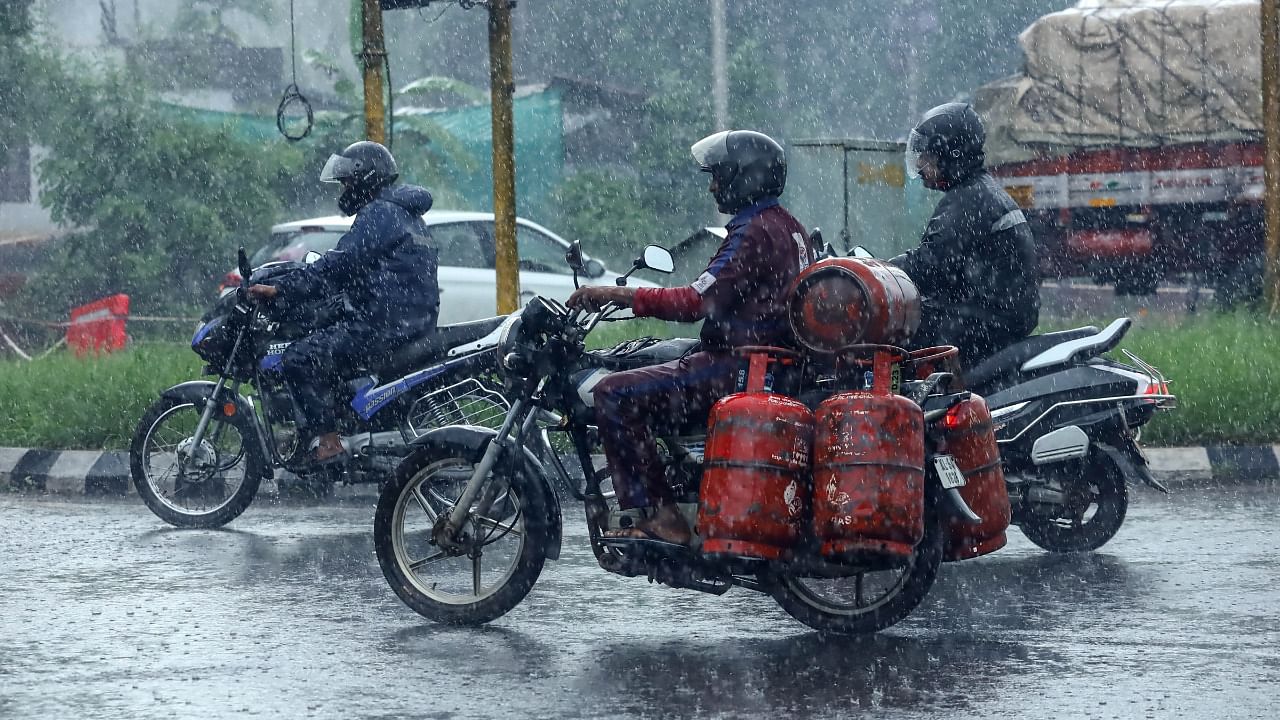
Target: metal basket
column 469, row 402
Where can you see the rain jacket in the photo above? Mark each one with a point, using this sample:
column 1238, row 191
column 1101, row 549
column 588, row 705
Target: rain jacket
column 382, row 264
column 976, row 266
column 742, row 293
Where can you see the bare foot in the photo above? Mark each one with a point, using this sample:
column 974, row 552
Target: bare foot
column 666, row 525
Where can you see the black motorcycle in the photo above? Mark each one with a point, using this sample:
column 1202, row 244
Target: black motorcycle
column 1068, row 422
column 464, row 529
column 201, row 450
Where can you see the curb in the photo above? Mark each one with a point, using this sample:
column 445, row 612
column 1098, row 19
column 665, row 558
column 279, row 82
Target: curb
column 95, row 473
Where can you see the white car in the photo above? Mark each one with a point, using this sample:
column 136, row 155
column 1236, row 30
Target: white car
column 465, row 243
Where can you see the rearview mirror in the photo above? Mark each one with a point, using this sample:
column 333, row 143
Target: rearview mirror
column 242, row 264
column 574, row 258
column 861, row 252
column 593, row 269
column 657, row 258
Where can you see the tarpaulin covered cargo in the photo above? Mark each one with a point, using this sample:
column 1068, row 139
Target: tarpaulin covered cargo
column 1129, row 73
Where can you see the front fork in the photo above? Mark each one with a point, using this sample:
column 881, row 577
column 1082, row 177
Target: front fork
column 446, row 535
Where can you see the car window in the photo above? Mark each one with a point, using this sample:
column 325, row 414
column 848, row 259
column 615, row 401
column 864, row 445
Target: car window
column 460, row 244
column 295, row 245
column 540, row 252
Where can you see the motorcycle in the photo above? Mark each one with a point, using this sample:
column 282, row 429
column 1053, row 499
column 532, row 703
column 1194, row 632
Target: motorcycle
column 201, row 450
column 464, row 529
column 1068, row 422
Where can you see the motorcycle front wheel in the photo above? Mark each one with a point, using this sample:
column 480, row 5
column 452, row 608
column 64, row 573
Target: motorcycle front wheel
column 1093, row 504
column 501, row 552
column 190, row 485
column 861, row 603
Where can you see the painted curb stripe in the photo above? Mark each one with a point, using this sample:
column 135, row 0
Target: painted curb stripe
column 30, row 472
column 109, row 475
column 1249, row 463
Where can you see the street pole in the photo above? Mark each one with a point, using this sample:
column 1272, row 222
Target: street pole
column 719, row 65
column 373, row 56
column 501, row 89
column 1271, row 163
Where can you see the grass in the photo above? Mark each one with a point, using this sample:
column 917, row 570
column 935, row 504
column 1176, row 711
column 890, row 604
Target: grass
column 1224, row 369
column 68, row 403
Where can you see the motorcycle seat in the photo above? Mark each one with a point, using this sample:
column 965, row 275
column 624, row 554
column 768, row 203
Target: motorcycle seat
column 430, row 347
column 1008, row 360
column 655, row 354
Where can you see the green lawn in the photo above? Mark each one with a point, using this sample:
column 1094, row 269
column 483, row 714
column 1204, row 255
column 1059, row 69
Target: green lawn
column 1224, row 369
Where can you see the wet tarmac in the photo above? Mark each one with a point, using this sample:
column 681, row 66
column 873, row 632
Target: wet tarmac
column 107, row 613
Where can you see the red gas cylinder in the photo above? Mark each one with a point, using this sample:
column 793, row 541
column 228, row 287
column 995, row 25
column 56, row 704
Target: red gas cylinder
column 969, row 437
column 755, row 489
column 839, row 302
column 868, row 475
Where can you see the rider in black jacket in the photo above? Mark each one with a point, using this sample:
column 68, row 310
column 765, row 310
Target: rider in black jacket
column 976, row 264
column 385, row 269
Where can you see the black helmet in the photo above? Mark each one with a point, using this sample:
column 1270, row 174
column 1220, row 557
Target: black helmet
column 747, row 166
column 364, row 168
column 954, row 135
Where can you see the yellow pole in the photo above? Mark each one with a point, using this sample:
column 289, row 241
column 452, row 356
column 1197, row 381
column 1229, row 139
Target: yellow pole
column 1271, row 163
column 373, row 56
column 501, row 88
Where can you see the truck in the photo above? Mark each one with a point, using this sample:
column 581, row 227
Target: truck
column 1132, row 138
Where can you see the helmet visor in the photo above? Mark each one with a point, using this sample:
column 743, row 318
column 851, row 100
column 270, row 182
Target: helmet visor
column 337, row 169
column 915, row 151
column 711, row 150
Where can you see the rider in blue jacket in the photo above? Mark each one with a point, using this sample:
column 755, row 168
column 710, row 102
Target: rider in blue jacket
column 385, row 269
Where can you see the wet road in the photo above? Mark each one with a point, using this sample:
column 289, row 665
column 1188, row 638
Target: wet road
column 105, row 613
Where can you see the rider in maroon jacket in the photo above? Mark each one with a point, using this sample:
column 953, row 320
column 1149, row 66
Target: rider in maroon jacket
column 739, row 297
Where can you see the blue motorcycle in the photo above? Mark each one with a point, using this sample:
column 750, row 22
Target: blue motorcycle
column 201, row 450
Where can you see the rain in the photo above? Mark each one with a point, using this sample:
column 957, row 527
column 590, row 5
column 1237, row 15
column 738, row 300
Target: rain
column 679, row 358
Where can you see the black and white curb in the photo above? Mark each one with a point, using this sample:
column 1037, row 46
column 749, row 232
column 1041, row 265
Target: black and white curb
column 105, row 474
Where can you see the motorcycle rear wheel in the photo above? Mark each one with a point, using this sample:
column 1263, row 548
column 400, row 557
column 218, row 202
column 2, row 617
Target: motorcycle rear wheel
column 1097, row 501
column 448, row 586
column 824, row 605
column 210, row 489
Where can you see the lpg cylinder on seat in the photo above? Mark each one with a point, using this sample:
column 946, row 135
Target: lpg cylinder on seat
column 754, row 496
column 969, row 437
column 838, row 302
column 868, row 475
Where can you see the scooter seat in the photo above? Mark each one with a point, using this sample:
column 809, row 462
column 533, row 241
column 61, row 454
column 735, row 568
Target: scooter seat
column 1008, row 360
column 431, row 347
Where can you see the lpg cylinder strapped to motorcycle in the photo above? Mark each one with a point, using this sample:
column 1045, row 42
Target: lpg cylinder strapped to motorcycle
column 969, row 437
column 868, row 475
column 754, row 496
column 840, row 302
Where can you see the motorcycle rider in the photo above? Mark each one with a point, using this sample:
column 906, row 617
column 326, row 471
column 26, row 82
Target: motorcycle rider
column 740, row 298
column 976, row 263
column 387, row 273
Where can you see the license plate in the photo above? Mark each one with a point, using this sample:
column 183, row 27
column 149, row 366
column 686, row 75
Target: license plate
column 948, row 472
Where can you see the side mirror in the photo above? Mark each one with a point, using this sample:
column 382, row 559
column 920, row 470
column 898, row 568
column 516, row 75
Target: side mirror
column 657, row 258
column 861, row 252
column 311, row 257
column 593, row 269
column 820, row 248
column 242, row 264
column 574, row 258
